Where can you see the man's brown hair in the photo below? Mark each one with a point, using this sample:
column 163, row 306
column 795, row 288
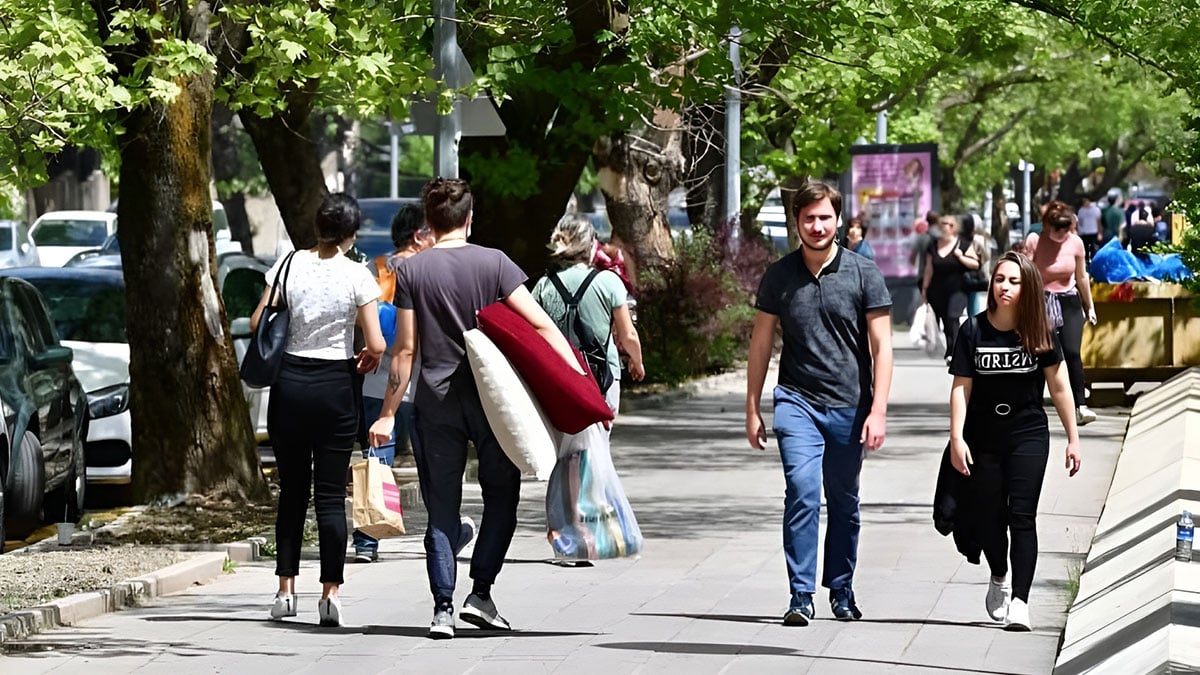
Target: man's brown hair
column 813, row 191
column 447, row 203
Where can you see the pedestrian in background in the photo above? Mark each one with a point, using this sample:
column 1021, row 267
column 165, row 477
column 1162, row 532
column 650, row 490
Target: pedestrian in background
column 438, row 294
column 942, row 287
column 835, row 373
column 924, row 231
column 856, row 238
column 313, row 413
column 1059, row 257
column 1089, row 216
column 409, row 237
column 999, row 434
column 604, row 307
column 1113, row 220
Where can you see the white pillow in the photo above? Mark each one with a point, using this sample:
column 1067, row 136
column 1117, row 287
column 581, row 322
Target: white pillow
column 514, row 415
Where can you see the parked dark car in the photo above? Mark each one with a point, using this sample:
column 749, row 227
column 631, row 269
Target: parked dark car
column 43, row 475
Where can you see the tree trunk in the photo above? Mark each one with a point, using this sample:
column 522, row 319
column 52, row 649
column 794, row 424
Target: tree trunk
column 191, row 429
column 637, row 173
column 704, row 148
column 290, row 162
column 951, row 193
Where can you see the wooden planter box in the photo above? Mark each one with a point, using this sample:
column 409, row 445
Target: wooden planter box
column 1145, row 332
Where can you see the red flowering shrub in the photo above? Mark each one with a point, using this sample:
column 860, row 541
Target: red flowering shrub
column 695, row 313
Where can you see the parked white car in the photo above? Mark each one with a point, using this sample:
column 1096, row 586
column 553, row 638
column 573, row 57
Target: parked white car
column 60, row 235
column 16, row 246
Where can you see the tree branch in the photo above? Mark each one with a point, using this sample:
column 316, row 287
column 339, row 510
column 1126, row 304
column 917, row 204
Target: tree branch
column 996, row 135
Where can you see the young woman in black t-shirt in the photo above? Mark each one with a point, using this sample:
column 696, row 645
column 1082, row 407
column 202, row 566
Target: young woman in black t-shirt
column 999, row 434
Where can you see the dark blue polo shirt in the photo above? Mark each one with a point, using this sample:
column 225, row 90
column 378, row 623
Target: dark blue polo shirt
column 826, row 353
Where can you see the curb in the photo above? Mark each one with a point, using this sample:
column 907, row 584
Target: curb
column 72, row 609
column 631, row 402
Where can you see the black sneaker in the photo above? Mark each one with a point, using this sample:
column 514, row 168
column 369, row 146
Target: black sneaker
column 841, row 601
column 801, row 614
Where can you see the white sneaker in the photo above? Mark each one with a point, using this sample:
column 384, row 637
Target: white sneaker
column 330, row 612
column 1084, row 415
column 285, row 605
column 1018, row 616
column 998, row 595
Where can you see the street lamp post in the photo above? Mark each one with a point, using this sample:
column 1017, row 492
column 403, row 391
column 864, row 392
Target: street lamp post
column 1026, row 169
column 446, row 68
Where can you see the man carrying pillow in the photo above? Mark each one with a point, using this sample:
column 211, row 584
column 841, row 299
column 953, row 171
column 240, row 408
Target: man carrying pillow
column 831, row 401
column 438, row 293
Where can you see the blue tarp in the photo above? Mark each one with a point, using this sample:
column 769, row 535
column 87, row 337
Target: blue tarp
column 1113, row 264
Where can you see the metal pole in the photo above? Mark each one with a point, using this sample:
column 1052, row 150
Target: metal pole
column 1026, row 169
column 446, row 67
column 394, row 159
column 881, row 127
column 733, row 133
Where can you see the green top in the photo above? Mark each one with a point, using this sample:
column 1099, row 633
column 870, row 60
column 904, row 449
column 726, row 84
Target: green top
column 606, row 293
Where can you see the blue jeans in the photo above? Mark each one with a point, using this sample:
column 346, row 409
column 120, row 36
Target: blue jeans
column 385, row 453
column 819, row 445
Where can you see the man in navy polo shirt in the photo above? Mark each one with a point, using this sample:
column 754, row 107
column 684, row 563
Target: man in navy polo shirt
column 831, row 401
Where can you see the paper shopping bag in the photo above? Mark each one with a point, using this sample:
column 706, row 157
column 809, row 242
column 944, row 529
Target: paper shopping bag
column 376, row 505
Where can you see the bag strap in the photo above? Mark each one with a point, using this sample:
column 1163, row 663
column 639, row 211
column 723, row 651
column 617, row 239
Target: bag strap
column 284, row 271
column 572, row 301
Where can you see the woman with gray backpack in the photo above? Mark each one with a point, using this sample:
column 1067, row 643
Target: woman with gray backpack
column 590, row 306
column 588, row 516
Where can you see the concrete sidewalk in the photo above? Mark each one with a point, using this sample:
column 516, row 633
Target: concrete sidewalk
column 706, row 596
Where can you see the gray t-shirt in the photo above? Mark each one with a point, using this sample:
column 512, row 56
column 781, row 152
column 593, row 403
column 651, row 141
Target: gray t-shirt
column 446, row 287
column 605, row 294
column 826, row 354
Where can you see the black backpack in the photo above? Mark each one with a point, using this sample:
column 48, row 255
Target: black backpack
column 594, row 350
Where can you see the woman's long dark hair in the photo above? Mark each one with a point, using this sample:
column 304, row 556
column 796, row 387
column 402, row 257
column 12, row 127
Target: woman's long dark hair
column 1033, row 327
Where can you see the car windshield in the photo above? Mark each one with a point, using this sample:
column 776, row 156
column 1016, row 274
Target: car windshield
column 70, row 233
column 83, row 310
column 6, row 237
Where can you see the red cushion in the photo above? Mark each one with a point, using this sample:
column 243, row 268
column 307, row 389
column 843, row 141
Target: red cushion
column 571, row 400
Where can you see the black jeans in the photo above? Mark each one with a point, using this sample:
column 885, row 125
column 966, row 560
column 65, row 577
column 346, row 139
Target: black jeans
column 949, row 307
column 1089, row 246
column 312, row 419
column 1071, row 337
column 1010, row 464
column 440, row 450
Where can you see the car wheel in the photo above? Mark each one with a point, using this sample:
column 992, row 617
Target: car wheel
column 29, row 487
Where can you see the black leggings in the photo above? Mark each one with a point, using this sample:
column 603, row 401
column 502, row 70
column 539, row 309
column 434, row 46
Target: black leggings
column 949, row 308
column 1071, row 337
column 1007, row 483
column 312, row 419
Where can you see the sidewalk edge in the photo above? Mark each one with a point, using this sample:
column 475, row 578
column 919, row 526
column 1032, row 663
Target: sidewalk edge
column 68, row 611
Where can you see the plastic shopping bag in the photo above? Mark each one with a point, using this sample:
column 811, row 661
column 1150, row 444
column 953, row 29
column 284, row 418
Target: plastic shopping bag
column 916, row 333
column 935, row 339
column 375, row 508
column 588, row 516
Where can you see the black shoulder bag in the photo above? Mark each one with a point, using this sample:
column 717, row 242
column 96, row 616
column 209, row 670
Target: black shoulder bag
column 264, row 356
column 594, row 350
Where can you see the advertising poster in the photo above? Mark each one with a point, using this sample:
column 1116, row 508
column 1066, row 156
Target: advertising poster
column 891, row 187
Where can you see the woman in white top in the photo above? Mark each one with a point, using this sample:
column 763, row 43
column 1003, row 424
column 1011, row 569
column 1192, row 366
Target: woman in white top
column 313, row 415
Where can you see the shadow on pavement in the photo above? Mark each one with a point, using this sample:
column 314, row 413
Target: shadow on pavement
column 709, row 648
